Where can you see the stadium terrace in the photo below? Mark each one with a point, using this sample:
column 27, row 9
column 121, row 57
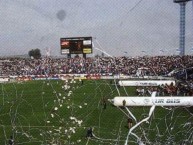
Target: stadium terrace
column 152, row 66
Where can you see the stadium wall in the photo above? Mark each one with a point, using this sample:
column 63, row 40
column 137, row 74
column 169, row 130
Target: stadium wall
column 82, row 77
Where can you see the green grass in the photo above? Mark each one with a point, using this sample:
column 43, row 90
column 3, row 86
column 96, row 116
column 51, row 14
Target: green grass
column 26, row 111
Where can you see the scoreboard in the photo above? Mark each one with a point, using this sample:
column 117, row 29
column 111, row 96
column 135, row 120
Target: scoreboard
column 76, row 45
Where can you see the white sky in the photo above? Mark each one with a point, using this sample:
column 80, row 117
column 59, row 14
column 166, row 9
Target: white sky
column 117, row 26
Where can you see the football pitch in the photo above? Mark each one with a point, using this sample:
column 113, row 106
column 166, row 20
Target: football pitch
column 60, row 112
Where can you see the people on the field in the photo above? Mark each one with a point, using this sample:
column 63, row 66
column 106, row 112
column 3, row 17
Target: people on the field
column 130, row 122
column 11, row 141
column 124, row 103
column 89, row 132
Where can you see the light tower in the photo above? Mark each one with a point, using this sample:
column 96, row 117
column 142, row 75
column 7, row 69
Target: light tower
column 182, row 4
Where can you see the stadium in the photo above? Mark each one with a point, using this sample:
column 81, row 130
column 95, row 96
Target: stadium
column 72, row 95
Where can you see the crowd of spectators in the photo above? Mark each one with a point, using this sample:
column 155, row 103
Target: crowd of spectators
column 184, row 88
column 157, row 65
column 151, row 66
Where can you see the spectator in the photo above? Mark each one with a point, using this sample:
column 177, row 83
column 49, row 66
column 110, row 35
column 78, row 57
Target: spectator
column 151, row 66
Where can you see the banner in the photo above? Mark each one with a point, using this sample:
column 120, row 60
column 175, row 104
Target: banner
column 150, row 101
column 3, row 80
column 145, row 82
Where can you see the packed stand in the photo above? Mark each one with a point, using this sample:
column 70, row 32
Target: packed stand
column 184, row 88
column 158, row 65
column 153, row 66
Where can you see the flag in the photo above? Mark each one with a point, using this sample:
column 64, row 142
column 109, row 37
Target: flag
column 48, row 52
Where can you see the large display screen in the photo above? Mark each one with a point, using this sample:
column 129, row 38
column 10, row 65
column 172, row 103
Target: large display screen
column 76, row 45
